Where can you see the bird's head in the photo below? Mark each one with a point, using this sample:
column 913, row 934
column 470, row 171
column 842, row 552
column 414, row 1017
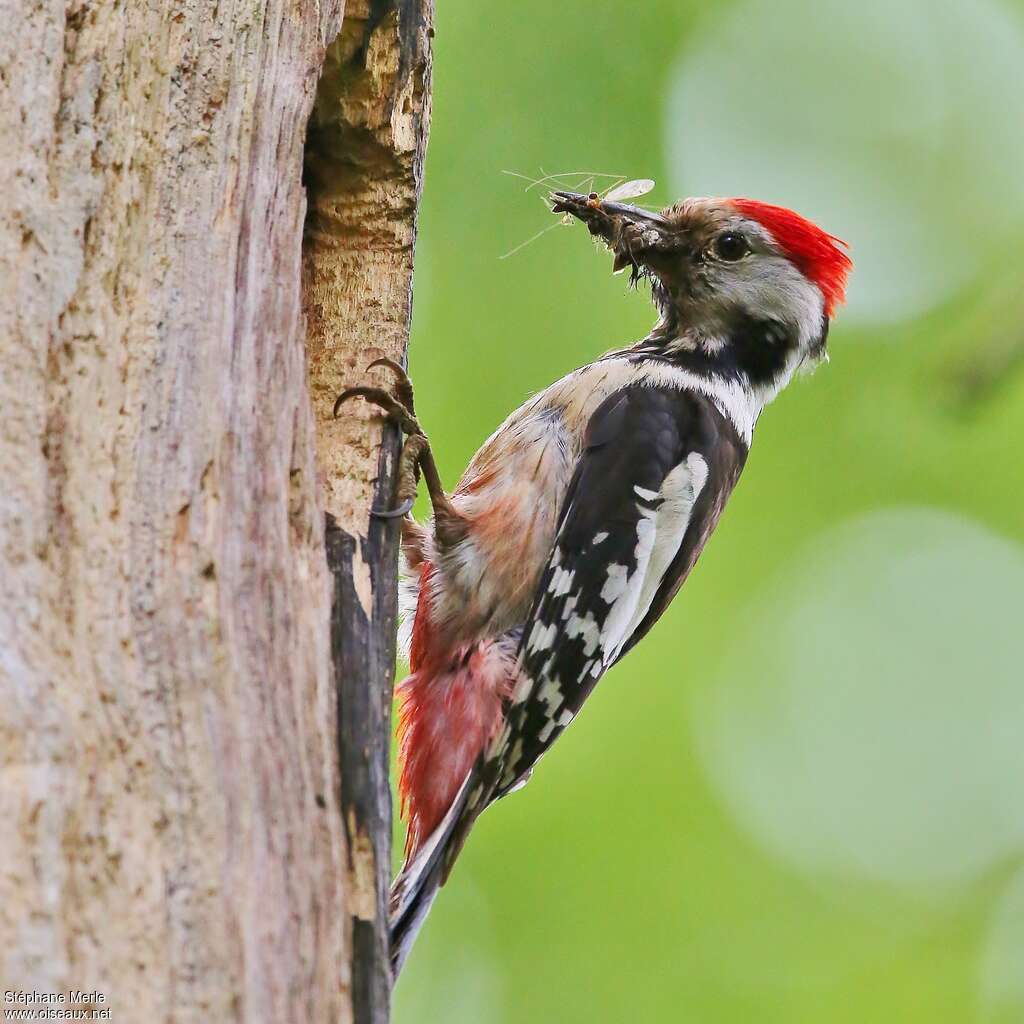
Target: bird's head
column 738, row 282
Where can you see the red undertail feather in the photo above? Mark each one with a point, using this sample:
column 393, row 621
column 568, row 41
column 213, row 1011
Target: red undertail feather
column 819, row 256
column 449, row 707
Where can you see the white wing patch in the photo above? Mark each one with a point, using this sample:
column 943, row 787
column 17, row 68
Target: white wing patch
column 561, row 581
column 586, row 627
column 542, row 637
column 680, row 491
column 660, row 533
column 616, row 583
column 620, row 614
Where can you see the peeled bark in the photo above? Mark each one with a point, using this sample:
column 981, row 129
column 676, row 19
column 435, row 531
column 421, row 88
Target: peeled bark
column 172, row 786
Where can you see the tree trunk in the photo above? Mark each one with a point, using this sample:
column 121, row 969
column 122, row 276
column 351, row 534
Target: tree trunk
column 364, row 170
column 180, row 830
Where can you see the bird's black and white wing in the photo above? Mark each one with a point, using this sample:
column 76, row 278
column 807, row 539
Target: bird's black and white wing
column 656, row 470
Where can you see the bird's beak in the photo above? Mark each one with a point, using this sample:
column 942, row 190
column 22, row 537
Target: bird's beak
column 593, row 210
column 630, row 232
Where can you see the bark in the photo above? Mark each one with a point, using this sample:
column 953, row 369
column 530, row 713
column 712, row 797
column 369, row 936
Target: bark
column 170, row 779
column 364, row 171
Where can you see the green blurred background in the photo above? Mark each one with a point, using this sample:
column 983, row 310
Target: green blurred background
column 802, row 797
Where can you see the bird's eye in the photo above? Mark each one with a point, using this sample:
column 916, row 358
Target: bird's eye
column 730, row 247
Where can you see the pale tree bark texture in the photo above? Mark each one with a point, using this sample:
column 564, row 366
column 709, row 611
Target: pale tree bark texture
column 184, row 825
column 364, row 171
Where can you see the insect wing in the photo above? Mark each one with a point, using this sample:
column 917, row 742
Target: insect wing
column 630, row 190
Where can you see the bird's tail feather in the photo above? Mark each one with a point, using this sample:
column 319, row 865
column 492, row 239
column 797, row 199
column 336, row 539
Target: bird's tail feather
column 413, row 891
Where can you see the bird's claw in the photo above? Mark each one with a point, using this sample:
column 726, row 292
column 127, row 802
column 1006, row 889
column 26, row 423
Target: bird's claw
column 394, row 513
column 344, row 397
column 415, row 456
column 403, row 385
column 395, row 410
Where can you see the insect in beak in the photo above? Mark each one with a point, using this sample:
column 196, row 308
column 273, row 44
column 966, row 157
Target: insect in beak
column 629, row 231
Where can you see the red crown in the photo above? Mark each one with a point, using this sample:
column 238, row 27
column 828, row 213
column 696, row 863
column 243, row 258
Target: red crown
column 819, row 256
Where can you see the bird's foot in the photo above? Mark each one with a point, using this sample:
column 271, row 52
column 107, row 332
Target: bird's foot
column 449, row 526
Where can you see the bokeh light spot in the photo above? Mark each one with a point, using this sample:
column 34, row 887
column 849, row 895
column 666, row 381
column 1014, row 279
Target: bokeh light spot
column 867, row 722
column 899, row 127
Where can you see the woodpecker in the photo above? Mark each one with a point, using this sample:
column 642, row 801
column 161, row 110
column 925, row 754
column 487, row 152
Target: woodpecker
column 581, row 516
